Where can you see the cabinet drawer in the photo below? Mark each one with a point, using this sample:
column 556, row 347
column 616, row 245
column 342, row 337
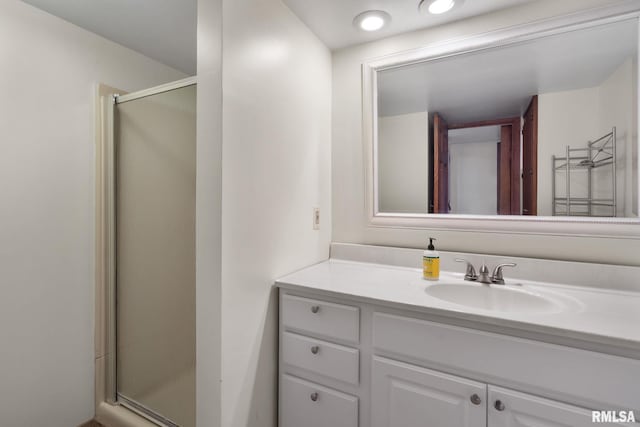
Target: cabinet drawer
column 331, row 360
column 333, row 321
column 305, row 404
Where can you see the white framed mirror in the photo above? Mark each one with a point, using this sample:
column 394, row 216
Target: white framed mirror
column 532, row 129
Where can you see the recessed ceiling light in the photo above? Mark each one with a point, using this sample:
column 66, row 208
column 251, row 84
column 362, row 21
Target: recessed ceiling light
column 437, row 7
column 371, row 20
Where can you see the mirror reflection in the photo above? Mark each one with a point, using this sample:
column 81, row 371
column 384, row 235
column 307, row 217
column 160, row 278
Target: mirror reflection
column 546, row 127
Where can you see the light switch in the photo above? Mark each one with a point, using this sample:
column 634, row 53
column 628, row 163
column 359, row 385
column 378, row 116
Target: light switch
column 316, row 218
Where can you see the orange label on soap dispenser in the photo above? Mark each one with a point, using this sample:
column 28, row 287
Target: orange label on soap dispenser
column 430, row 268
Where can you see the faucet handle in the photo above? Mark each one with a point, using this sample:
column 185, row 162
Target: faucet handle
column 497, row 276
column 471, row 271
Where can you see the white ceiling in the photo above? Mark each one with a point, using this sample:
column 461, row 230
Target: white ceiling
column 164, row 30
column 500, row 82
column 332, row 20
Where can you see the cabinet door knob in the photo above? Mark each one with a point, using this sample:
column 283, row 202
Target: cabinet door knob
column 499, row 405
column 475, row 399
column 315, row 349
column 315, row 309
column 314, row 396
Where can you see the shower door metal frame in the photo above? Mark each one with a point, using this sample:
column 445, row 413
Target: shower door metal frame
column 107, row 226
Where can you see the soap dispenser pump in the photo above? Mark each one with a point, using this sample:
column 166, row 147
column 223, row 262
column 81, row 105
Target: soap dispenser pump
column 431, row 262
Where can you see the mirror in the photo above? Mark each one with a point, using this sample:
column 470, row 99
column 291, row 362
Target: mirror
column 542, row 127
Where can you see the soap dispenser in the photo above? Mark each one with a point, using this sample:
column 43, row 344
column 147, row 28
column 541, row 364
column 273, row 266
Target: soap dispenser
column 431, row 262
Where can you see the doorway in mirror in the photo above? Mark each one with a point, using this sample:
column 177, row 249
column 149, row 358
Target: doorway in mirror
column 482, row 164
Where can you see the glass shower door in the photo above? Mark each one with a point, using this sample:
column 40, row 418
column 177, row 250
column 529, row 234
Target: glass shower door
column 155, row 157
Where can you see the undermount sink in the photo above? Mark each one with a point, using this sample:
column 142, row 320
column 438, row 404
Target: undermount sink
column 493, row 298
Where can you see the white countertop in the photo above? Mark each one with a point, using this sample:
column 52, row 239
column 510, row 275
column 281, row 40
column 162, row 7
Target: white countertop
column 607, row 318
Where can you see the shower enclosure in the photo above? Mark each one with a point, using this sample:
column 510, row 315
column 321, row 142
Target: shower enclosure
column 152, row 283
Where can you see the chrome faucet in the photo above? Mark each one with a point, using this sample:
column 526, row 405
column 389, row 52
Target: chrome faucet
column 483, row 276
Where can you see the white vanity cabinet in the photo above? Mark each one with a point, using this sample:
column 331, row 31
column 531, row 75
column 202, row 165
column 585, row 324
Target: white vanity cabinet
column 411, row 396
column 354, row 363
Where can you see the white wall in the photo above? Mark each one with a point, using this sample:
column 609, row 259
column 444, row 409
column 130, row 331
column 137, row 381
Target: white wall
column 618, row 107
column 349, row 217
column 577, row 116
column 276, row 169
column 209, row 214
column 473, row 170
column 564, row 118
column 403, row 163
column 48, row 73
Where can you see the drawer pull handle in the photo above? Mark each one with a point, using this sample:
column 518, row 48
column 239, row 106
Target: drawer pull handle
column 499, row 405
column 315, row 309
column 314, row 396
column 315, row 349
column 475, row 399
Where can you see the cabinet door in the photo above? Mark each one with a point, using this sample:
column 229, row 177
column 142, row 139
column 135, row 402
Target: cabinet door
column 404, row 395
column 509, row 408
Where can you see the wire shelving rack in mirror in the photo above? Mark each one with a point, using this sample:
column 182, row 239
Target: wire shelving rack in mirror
column 587, row 177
